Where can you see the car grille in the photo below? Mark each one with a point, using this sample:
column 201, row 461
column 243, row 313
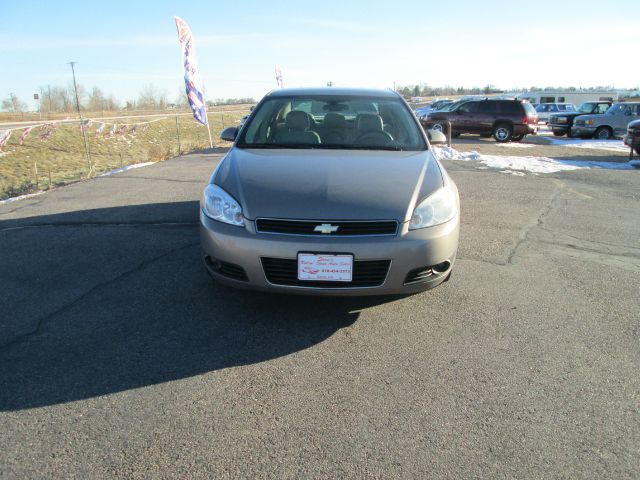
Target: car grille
column 366, row 273
column 344, row 228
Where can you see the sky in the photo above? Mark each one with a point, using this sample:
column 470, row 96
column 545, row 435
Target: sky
column 123, row 46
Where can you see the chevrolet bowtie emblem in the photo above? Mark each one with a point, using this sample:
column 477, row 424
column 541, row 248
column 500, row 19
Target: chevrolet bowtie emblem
column 326, row 228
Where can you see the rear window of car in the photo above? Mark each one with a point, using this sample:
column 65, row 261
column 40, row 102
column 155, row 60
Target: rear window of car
column 529, row 110
column 510, row 108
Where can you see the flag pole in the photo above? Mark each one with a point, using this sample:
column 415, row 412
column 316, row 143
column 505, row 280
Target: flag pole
column 209, row 132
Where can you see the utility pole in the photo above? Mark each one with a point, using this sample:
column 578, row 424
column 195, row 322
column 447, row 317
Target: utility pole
column 84, row 136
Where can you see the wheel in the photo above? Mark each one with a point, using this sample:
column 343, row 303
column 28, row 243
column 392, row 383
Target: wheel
column 503, row 132
column 558, row 133
column 517, row 138
column 603, row 133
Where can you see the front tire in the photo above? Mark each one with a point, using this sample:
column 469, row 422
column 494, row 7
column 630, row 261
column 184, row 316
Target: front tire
column 503, row 132
column 604, row 133
column 558, row 133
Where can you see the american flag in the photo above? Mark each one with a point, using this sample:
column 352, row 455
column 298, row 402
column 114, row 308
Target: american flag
column 100, row 127
column 85, row 125
column 24, row 135
column 48, row 128
column 112, row 130
column 4, row 137
column 193, row 84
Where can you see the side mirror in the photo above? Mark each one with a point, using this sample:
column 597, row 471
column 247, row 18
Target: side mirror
column 229, row 134
column 436, row 137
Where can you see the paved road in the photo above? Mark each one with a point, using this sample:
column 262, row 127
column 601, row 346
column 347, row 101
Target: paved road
column 120, row 358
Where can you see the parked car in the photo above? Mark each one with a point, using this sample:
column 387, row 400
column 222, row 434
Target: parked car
column 561, row 123
column 504, row 119
column 632, row 137
column 330, row 191
column 611, row 124
column 545, row 110
column 422, row 112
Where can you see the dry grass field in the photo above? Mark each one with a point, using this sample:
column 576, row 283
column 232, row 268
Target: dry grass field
column 61, row 159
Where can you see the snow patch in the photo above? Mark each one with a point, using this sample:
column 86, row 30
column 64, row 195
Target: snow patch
column 515, row 145
column 21, row 197
column 124, row 169
column 532, row 165
column 609, row 145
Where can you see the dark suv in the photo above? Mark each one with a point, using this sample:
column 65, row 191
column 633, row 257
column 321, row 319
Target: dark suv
column 632, row 137
column 504, row 119
column 561, row 123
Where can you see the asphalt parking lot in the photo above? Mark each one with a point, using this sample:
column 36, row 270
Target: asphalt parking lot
column 119, row 357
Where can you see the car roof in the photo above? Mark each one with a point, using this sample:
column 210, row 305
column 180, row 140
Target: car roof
column 338, row 91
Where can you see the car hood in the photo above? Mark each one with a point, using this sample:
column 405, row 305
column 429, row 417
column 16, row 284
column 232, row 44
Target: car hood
column 328, row 184
column 590, row 116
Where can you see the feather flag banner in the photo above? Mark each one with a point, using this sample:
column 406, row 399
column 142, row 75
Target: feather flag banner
column 279, row 80
column 192, row 81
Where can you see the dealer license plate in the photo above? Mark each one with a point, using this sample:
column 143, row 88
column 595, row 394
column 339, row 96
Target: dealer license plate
column 325, row 268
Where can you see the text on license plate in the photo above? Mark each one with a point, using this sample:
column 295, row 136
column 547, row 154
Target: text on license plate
column 327, row 268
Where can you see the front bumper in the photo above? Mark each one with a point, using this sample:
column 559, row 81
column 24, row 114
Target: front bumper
column 627, row 139
column 583, row 131
column 559, row 127
column 408, row 250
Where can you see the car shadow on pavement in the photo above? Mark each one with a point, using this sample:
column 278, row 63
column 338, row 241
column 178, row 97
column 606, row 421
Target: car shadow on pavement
column 102, row 301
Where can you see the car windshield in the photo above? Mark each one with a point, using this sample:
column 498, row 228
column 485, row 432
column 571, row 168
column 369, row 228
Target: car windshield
column 618, row 109
column 586, row 107
column 333, row 122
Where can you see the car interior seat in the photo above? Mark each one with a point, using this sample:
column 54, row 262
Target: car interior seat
column 296, row 130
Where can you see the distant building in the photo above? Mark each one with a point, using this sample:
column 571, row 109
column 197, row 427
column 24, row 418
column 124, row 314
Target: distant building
column 567, row 96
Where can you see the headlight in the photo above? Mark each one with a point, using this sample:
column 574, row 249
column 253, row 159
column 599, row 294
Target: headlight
column 219, row 205
column 588, row 122
column 439, row 207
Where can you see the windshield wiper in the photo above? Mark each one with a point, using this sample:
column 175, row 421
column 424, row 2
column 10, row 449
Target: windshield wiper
column 277, row 145
column 335, row 146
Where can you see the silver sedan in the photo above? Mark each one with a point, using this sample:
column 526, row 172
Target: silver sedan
column 330, row 192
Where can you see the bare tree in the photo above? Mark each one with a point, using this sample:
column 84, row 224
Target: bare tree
column 13, row 104
column 96, row 101
column 151, row 99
